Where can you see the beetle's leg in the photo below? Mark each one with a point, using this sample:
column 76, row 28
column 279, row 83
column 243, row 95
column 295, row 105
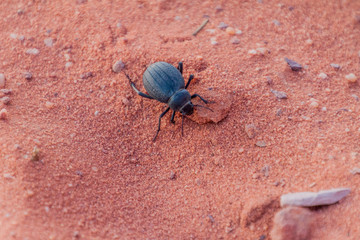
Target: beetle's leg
column 132, row 84
column 180, row 67
column 161, row 115
column 190, row 78
column 197, row 95
column 172, row 117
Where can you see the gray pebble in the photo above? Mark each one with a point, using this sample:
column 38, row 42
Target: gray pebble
column 2, row 80
column 276, row 22
column 336, row 66
column 279, row 94
column 86, row 75
column 33, row 51
column 293, row 65
column 118, row 66
column 28, row 75
column 356, row 97
column 223, row 26
column 235, row 40
column 6, row 91
column 5, row 100
column 49, row 42
column 261, row 144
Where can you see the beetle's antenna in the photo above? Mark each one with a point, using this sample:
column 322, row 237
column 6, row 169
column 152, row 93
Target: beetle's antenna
column 196, row 105
column 127, row 76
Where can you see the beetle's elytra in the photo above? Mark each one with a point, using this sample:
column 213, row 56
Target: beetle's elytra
column 164, row 83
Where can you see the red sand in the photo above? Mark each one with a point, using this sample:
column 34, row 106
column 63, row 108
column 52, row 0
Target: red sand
column 101, row 177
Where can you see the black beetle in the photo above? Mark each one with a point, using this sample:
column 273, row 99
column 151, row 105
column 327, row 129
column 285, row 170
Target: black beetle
column 165, row 83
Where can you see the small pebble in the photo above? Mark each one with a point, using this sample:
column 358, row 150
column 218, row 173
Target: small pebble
column 262, row 51
column 2, row 80
column 5, row 100
column 252, row 52
column 125, row 101
column 33, row 51
column 261, row 144
column 118, row 66
column 351, row 78
column 279, row 94
column 293, row 65
column 238, row 32
column 314, row 103
column 309, row 42
column 322, row 75
column 218, row 8
column 250, row 130
column 336, row 66
column 172, row 175
column 213, row 41
column 49, row 105
column 96, row 113
column 222, row 26
column 8, row 176
column 28, row 75
column 230, row 30
column 4, row 114
column 211, row 31
column 13, row 35
column 68, row 64
column 86, row 75
column 276, row 22
column 35, row 155
column 235, row 40
column 49, row 42
column 95, row 169
column 355, row 171
column 30, row 193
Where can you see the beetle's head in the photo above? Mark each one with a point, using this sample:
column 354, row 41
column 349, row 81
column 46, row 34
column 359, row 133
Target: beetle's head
column 181, row 101
column 187, row 108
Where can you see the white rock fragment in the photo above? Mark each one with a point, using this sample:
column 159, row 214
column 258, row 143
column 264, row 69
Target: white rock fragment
column 238, row 32
column 252, row 52
column 68, row 64
column 351, row 78
column 336, row 66
column 4, row 114
column 211, row 31
column 309, row 42
column 49, row 42
column 310, row 199
column 213, row 41
column 2, row 80
column 13, row 35
column 33, row 51
column 322, row 75
column 235, row 40
column 118, row 66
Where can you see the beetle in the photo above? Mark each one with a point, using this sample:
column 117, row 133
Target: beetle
column 165, row 83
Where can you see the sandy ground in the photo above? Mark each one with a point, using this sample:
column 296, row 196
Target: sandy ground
column 100, row 176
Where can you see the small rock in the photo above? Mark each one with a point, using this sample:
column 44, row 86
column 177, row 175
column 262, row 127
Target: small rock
column 125, row 101
column 220, row 105
column 118, row 66
column 6, row 91
column 292, row 223
column 5, row 100
column 49, row 105
column 172, row 175
column 276, row 22
column 262, row 51
column 86, row 75
column 355, row 171
column 230, row 30
column 213, row 41
column 238, row 32
column 235, row 40
column 222, row 26
column 49, row 42
column 211, row 31
column 8, row 176
column 260, row 143
column 33, row 51
column 351, row 78
column 322, row 75
column 252, row 52
column 68, row 64
column 293, row 65
column 96, row 113
column 250, row 130
column 28, row 75
column 356, row 97
column 4, row 114
column 35, row 155
column 13, row 35
column 314, row 104
column 336, row 66
column 265, row 170
column 310, row 199
column 218, row 8
column 279, row 94
column 309, row 42
column 2, row 80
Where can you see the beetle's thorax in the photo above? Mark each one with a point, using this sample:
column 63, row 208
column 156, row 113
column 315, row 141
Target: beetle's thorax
column 181, row 101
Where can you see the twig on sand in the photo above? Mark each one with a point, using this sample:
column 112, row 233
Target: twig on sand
column 201, row 27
